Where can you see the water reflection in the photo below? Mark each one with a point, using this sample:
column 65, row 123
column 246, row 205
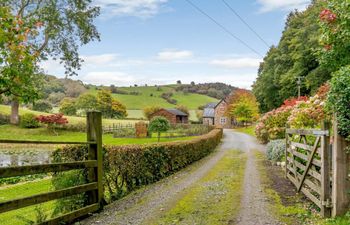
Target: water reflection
column 17, row 155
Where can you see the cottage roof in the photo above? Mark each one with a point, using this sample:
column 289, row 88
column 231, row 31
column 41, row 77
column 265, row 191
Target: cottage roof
column 209, row 113
column 176, row 112
column 211, row 105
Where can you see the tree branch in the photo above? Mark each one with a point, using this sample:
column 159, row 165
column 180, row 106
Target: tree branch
column 45, row 43
column 21, row 10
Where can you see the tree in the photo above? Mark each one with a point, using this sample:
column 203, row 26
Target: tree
column 86, row 102
column 68, row 107
column 178, row 82
column 243, row 106
column 42, row 106
column 33, row 31
column 159, row 124
column 149, row 111
column 109, row 106
column 295, row 56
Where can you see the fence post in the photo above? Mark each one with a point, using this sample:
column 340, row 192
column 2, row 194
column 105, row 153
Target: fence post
column 286, row 151
column 94, row 134
column 325, row 173
column 341, row 199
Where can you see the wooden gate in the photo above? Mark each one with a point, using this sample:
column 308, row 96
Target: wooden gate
column 308, row 165
column 93, row 189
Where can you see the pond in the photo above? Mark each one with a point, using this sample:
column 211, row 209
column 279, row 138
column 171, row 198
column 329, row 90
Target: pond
column 21, row 155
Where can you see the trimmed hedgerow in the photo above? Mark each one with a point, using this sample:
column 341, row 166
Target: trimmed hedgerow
column 131, row 166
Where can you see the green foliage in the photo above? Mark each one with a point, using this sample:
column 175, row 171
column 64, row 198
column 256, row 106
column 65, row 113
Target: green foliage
column 295, row 56
column 4, row 119
column 310, row 113
column 130, row 166
column 109, row 106
column 149, row 111
column 339, row 99
column 335, row 24
column 243, row 106
column 42, row 106
column 273, row 124
column 87, row 102
column 68, row 107
column 275, row 150
column 29, row 120
column 159, row 124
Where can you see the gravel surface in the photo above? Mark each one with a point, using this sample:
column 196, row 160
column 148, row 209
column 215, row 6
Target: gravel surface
column 144, row 204
column 254, row 205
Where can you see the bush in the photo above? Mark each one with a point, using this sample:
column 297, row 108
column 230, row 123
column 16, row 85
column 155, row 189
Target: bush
column 339, row 99
column 4, row 119
column 29, row 120
column 273, row 124
column 275, row 150
column 42, row 106
column 68, row 107
column 131, row 166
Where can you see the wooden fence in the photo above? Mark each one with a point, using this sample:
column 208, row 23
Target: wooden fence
column 313, row 166
column 93, row 189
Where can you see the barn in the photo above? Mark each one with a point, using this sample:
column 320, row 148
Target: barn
column 174, row 116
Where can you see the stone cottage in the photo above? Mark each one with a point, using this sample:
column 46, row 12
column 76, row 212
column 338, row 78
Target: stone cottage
column 215, row 114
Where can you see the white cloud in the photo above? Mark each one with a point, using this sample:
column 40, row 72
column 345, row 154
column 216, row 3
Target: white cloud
column 138, row 8
column 237, row 63
column 108, row 78
column 174, row 55
column 271, row 5
column 102, row 59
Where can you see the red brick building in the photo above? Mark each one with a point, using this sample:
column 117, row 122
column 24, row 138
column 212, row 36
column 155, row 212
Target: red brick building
column 173, row 115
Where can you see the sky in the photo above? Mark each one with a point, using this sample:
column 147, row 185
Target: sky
column 162, row 41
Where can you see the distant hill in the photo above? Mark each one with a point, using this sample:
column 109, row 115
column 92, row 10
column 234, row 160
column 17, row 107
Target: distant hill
column 166, row 96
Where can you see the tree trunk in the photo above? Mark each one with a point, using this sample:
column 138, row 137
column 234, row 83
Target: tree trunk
column 158, row 136
column 14, row 112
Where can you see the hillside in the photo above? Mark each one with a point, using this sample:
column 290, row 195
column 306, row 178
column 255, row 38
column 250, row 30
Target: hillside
column 138, row 98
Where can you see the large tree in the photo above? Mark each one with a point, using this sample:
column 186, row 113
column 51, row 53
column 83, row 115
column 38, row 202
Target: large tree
column 294, row 57
column 35, row 30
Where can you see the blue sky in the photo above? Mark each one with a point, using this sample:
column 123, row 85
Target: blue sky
column 162, row 41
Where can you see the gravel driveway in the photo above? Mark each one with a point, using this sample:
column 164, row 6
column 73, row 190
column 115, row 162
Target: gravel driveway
column 144, row 204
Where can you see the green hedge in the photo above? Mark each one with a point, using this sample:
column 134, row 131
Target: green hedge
column 131, row 166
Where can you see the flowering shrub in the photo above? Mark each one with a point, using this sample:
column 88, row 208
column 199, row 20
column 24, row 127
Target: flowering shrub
column 294, row 101
column 273, row 124
column 52, row 120
column 309, row 114
column 327, row 16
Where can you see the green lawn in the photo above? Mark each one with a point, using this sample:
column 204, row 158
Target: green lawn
column 149, row 96
column 247, row 130
column 41, row 134
column 20, row 191
column 6, row 110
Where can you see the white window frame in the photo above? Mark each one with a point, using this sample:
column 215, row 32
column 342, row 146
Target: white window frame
column 223, row 120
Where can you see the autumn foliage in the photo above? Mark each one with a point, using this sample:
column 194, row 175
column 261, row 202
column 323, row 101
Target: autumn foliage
column 54, row 119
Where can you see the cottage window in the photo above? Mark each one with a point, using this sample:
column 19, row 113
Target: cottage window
column 223, row 120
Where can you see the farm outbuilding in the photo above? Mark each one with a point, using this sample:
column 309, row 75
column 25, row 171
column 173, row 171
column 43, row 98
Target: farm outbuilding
column 173, row 115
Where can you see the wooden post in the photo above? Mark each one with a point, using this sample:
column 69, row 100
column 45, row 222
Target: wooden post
column 340, row 198
column 325, row 173
column 286, row 151
column 94, row 134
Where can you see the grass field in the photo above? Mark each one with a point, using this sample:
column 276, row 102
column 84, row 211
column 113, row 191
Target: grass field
column 20, row 191
column 6, row 110
column 41, row 134
column 150, row 96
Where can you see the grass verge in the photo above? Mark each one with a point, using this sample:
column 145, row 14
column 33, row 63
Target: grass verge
column 288, row 206
column 214, row 199
column 247, row 130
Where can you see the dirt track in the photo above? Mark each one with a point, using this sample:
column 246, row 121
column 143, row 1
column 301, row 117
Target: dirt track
column 146, row 203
